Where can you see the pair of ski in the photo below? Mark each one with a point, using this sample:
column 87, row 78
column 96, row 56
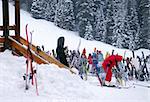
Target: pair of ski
column 117, row 87
column 102, row 84
column 29, row 66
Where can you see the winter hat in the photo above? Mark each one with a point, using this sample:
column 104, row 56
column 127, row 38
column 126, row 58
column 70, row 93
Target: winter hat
column 95, row 49
column 107, row 55
column 84, row 51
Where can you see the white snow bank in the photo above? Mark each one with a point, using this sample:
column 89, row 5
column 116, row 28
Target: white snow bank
column 57, row 85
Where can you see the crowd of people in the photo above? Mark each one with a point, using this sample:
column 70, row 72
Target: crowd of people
column 123, row 69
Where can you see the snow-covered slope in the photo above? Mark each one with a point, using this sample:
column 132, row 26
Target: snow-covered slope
column 58, row 85
column 46, row 33
column 54, row 84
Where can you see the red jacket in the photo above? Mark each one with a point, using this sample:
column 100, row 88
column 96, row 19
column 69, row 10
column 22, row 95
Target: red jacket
column 90, row 60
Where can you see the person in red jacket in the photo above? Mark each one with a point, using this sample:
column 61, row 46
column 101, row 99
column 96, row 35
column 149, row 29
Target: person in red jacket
column 90, row 63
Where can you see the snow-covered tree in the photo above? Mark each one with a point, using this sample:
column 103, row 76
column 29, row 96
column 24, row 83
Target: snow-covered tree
column 88, row 31
column 84, row 14
column 38, row 9
column 110, row 23
column 64, row 16
column 122, row 23
column 50, row 10
column 100, row 26
column 132, row 25
column 144, row 21
column 119, row 20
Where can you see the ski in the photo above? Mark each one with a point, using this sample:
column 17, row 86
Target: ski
column 112, row 52
column 117, row 87
column 147, row 86
column 99, row 79
column 36, row 84
column 79, row 45
column 123, row 87
column 30, row 61
column 124, row 55
column 33, row 72
column 27, row 62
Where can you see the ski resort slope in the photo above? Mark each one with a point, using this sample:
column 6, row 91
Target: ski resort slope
column 54, row 84
column 58, row 85
column 46, row 33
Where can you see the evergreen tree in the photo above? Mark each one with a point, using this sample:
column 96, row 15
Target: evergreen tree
column 84, row 14
column 38, row 9
column 123, row 23
column 64, row 16
column 144, row 21
column 29, row 4
column 110, row 23
column 132, row 25
column 50, row 10
column 88, row 32
column 100, row 26
column 119, row 20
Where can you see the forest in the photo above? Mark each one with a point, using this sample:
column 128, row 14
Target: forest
column 121, row 23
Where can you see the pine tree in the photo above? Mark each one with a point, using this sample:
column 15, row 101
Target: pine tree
column 29, row 4
column 50, row 10
column 64, row 16
column 84, row 14
column 100, row 26
column 132, row 26
column 144, row 21
column 110, row 23
column 88, row 31
column 38, row 9
column 119, row 20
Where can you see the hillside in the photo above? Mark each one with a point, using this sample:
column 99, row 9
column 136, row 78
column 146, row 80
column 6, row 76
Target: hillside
column 46, row 33
column 54, row 84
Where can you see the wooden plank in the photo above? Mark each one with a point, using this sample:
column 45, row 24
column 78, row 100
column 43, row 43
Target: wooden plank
column 12, row 27
column 1, row 44
column 1, row 49
column 1, row 27
column 43, row 54
column 23, row 50
column 2, row 39
column 8, row 27
column 17, row 18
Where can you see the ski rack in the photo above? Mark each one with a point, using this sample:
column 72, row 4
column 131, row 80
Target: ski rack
column 39, row 56
column 23, row 50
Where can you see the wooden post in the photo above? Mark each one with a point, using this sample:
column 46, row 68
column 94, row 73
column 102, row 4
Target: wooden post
column 5, row 23
column 17, row 19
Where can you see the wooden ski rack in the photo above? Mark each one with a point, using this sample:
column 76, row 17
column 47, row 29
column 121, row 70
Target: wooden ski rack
column 42, row 53
column 24, row 50
column 39, row 56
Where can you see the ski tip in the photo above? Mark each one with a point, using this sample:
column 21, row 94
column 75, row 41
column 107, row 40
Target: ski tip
column 26, row 88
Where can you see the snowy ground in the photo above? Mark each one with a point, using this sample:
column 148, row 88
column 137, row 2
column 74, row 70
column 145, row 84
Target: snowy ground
column 54, row 84
column 59, row 85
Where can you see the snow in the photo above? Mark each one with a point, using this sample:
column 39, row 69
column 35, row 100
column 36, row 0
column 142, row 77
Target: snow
column 58, row 85
column 54, row 84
